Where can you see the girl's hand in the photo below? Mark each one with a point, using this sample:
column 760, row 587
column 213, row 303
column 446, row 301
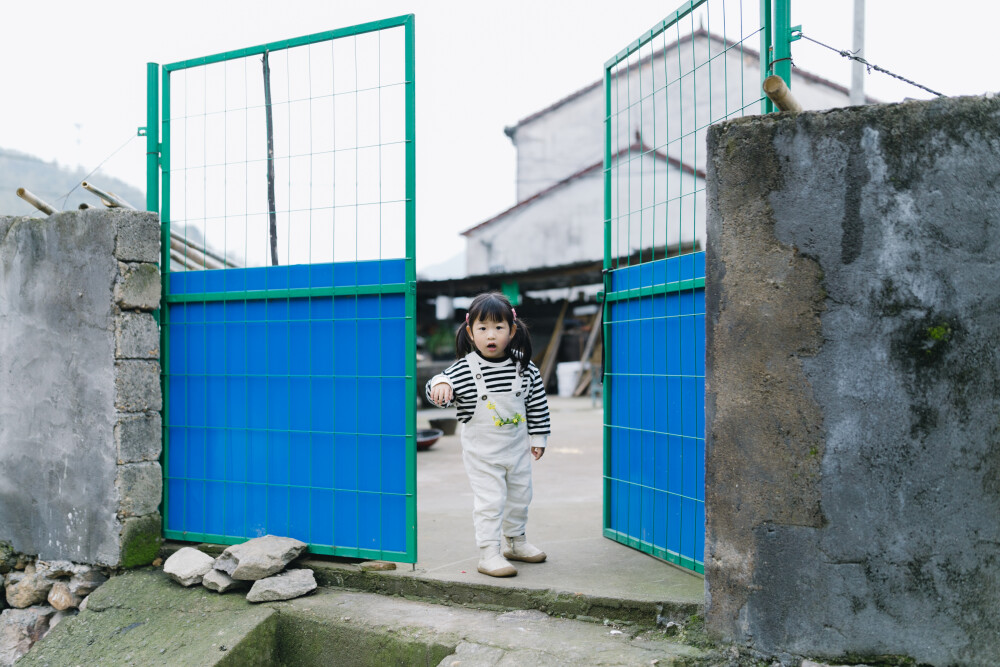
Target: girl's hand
column 442, row 394
column 537, row 452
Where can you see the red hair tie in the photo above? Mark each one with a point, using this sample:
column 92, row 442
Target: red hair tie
column 514, row 312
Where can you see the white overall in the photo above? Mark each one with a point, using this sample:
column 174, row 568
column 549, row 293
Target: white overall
column 497, row 459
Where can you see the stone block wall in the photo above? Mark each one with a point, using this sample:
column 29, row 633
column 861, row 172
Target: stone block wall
column 80, row 430
column 853, row 383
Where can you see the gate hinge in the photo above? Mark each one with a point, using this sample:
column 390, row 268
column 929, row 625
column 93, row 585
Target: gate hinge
column 600, row 297
column 141, row 132
column 411, row 287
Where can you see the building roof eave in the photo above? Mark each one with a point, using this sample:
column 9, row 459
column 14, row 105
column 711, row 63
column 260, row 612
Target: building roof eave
column 638, row 147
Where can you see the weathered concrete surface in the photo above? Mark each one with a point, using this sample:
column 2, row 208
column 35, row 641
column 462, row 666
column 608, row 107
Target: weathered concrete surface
column 143, row 618
column 60, row 383
column 57, row 387
column 853, row 382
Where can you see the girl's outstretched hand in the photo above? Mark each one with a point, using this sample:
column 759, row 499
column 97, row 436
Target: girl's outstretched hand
column 537, row 452
column 441, row 394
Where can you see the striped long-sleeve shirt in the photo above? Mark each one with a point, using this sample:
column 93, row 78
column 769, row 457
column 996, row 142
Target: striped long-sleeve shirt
column 498, row 375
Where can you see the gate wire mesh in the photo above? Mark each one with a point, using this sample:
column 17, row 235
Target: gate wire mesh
column 288, row 331
column 697, row 67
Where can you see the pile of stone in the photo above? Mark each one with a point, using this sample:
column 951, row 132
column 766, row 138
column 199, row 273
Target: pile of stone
column 257, row 564
column 39, row 595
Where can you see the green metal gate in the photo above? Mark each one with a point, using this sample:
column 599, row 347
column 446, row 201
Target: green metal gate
column 697, row 67
column 288, row 325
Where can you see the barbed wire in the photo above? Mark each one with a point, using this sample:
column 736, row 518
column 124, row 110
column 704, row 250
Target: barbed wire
column 850, row 55
column 65, row 197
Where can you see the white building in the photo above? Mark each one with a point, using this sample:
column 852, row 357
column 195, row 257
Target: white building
column 558, row 218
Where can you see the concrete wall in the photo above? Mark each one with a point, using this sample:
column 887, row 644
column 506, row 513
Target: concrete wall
column 853, row 382
column 79, row 386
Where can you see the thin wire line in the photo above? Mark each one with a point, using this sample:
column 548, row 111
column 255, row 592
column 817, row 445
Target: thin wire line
column 850, row 56
column 94, row 171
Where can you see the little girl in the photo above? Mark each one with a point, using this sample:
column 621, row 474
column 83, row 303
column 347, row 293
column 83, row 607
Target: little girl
column 502, row 405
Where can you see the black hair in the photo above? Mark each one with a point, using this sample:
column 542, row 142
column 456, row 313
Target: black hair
column 495, row 307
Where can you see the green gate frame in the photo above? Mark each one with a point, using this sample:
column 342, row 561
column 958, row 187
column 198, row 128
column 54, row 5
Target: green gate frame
column 776, row 36
column 158, row 180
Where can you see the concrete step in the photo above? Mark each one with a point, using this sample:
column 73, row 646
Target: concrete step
column 143, row 618
column 656, row 604
column 505, row 594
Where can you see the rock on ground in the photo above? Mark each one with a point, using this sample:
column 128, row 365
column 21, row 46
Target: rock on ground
column 85, row 581
column 188, row 566
column 260, row 557
column 27, row 588
column 61, row 598
column 284, row 586
column 220, row 582
column 56, row 568
column 19, row 629
column 377, row 566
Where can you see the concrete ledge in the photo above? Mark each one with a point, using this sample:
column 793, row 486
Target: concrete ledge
column 143, row 618
column 581, row 606
column 415, row 585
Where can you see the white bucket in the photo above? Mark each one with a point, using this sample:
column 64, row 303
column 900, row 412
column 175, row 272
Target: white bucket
column 568, row 376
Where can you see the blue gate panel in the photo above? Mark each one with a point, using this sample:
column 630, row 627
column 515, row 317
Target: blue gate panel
column 285, row 414
column 655, row 379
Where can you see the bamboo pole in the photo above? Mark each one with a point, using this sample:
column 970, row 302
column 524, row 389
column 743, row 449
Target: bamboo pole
column 776, row 91
column 36, row 202
column 110, row 200
column 202, row 259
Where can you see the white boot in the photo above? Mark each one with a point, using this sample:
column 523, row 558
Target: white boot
column 493, row 564
column 519, row 548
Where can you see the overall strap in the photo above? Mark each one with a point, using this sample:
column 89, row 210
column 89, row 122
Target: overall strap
column 477, row 373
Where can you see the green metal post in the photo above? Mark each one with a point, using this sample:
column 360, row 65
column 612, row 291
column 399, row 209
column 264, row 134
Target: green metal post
column 411, row 292
column 152, row 137
column 766, row 56
column 605, row 400
column 164, row 210
column 783, row 40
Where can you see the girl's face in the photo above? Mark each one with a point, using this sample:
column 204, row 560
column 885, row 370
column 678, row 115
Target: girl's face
column 491, row 338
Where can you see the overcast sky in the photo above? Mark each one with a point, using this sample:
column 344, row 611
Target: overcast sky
column 73, row 73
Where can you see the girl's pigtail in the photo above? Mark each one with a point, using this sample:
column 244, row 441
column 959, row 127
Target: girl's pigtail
column 520, row 345
column 463, row 344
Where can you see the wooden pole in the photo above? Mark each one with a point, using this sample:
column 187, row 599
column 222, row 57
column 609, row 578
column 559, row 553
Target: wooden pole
column 552, row 350
column 270, row 163
column 588, row 353
column 776, row 91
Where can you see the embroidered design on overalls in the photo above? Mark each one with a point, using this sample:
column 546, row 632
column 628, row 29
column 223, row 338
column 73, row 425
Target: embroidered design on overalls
column 500, row 420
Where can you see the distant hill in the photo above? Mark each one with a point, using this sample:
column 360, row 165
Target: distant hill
column 50, row 182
